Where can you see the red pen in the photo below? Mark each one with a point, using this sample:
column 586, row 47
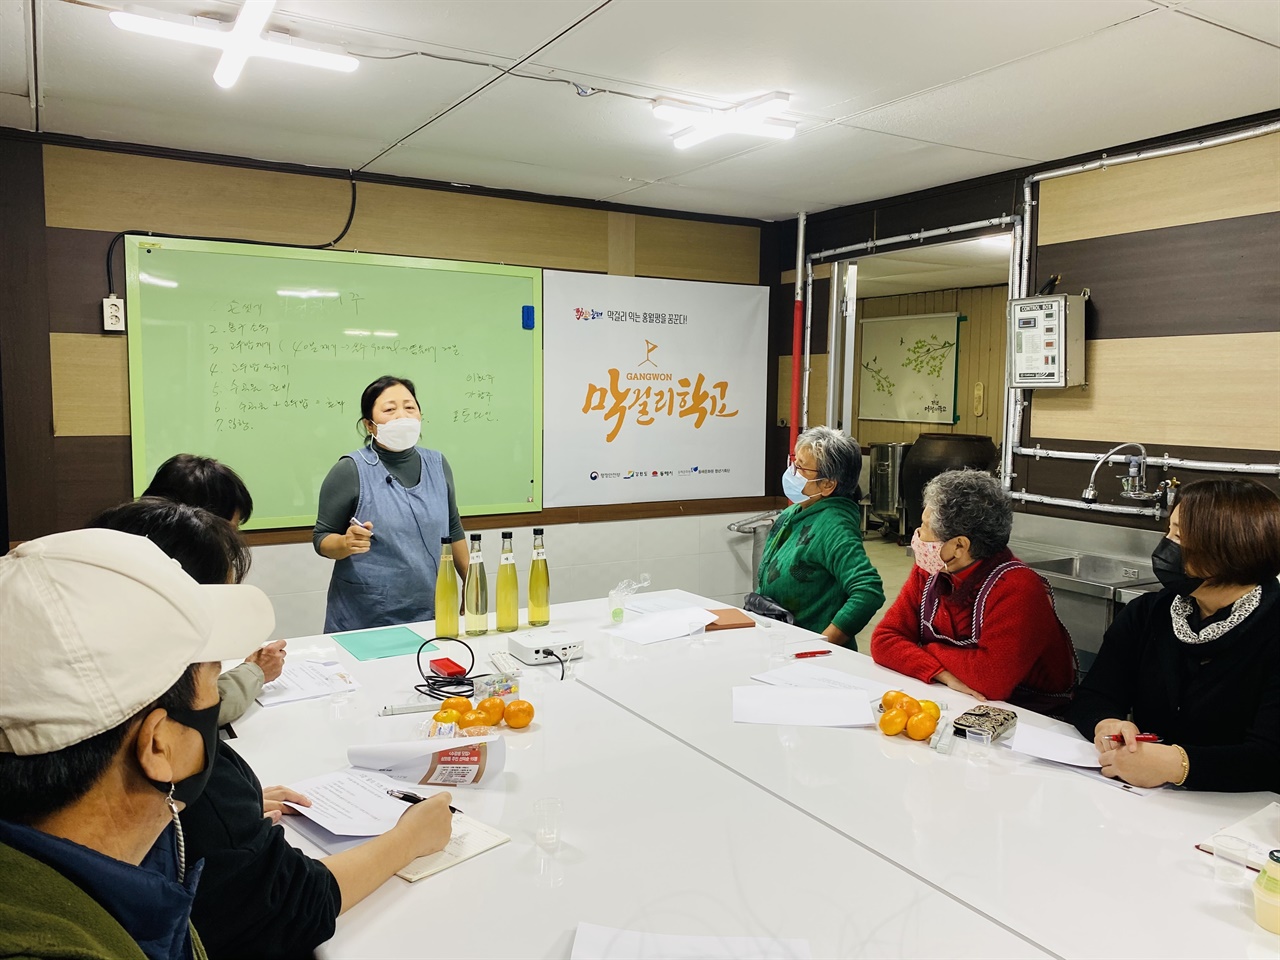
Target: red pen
column 1140, row 738
column 810, row 653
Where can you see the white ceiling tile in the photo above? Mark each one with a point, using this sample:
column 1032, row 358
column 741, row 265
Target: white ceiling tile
column 1258, row 18
column 729, row 203
column 840, row 165
column 101, row 82
column 15, row 40
column 1162, row 73
column 16, row 112
column 536, row 121
column 834, row 58
column 500, row 174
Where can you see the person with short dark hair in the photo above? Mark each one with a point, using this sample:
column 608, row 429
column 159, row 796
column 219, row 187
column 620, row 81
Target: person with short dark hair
column 384, row 510
column 182, row 534
column 107, row 730
column 814, row 563
column 972, row 615
column 203, row 482
column 259, row 896
column 1197, row 664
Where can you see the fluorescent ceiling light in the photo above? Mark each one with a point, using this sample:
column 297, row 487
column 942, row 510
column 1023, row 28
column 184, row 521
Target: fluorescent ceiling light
column 156, row 281
column 242, row 41
column 699, row 124
column 307, row 294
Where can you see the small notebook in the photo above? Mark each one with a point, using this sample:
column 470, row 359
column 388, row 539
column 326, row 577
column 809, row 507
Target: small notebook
column 1261, row 831
column 729, row 619
column 470, row 838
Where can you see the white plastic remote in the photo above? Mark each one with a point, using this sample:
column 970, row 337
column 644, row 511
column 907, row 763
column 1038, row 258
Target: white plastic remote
column 505, row 663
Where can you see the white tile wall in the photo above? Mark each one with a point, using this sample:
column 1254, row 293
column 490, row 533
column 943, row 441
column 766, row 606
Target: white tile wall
column 698, row 554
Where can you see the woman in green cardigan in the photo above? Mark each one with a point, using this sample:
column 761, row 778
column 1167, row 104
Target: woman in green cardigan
column 814, row 563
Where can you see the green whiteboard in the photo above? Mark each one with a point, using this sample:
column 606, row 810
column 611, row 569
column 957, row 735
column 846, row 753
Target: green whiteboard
column 257, row 355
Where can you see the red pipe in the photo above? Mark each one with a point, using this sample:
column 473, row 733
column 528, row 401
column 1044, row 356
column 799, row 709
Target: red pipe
column 797, row 370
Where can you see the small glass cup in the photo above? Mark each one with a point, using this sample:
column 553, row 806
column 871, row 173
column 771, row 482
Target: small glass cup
column 697, row 632
column 1230, row 859
column 547, row 831
column 617, row 606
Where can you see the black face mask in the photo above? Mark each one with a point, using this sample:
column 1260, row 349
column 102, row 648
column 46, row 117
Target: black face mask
column 204, row 722
column 1166, row 562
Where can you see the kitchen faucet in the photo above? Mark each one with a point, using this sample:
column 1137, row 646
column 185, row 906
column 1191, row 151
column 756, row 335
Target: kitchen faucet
column 1134, row 485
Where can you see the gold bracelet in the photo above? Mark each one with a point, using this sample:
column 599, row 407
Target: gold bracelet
column 1186, row 766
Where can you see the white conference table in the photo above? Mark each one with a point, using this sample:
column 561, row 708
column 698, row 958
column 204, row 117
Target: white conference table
column 656, row 838
column 679, row 820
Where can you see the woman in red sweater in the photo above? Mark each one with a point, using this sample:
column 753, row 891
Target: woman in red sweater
column 972, row 615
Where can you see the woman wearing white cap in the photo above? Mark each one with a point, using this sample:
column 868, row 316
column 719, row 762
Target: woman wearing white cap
column 108, row 719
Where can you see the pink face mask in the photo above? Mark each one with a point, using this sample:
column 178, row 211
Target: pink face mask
column 928, row 554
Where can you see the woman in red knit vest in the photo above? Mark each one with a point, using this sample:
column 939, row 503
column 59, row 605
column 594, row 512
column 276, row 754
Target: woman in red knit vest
column 972, row 615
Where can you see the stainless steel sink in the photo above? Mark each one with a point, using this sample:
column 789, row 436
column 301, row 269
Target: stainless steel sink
column 1090, row 571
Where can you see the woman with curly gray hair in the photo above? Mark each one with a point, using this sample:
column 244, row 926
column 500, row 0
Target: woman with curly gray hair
column 814, row 564
column 972, row 615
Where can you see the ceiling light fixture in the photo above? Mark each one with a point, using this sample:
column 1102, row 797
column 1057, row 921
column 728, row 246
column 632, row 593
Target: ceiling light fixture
column 242, row 41
column 755, row 117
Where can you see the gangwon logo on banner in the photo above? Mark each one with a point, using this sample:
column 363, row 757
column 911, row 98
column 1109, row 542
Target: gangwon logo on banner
column 689, row 398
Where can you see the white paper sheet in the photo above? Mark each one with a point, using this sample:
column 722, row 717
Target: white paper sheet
column 1070, row 749
column 594, row 942
column 804, row 673
column 408, row 761
column 306, row 680
column 352, row 803
column 666, row 600
column 802, row 706
column 664, row 625
column 1261, row 831
column 470, row 838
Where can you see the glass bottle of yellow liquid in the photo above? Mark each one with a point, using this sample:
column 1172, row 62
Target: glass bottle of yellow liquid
column 508, row 588
column 447, row 592
column 476, row 593
column 539, row 584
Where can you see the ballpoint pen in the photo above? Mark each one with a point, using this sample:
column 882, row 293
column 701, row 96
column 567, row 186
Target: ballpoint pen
column 414, row 798
column 810, row 653
column 1140, row 738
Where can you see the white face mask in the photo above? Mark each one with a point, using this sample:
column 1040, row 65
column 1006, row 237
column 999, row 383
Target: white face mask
column 399, row 434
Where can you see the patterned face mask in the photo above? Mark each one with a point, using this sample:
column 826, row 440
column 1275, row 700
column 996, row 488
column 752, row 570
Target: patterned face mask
column 928, row 554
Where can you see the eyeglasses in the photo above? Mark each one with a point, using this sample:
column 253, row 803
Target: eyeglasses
column 813, row 470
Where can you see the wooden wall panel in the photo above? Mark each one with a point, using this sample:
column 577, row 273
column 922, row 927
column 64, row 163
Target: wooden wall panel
column 817, row 389
column 981, row 359
column 622, row 244
column 1236, row 180
column 696, row 250
column 1217, row 391
column 90, row 384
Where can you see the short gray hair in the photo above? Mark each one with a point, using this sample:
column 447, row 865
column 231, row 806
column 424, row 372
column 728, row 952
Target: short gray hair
column 837, row 456
column 970, row 503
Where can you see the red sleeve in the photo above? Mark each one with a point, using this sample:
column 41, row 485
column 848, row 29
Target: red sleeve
column 895, row 642
column 1018, row 626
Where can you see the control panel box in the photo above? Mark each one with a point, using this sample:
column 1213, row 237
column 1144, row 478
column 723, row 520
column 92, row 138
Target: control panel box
column 1046, row 342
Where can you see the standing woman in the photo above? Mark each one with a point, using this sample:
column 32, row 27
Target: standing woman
column 384, row 509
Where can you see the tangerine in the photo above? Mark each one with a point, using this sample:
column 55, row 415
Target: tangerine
column 447, row 716
column 931, row 708
column 460, row 704
column 921, row 726
column 518, row 713
column 474, row 718
column 492, row 707
column 890, row 699
column 892, row 722
column 908, row 705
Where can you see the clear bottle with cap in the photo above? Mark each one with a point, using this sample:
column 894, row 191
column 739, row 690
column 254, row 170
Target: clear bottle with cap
column 508, row 588
column 476, row 593
column 539, row 584
column 446, row 592
column 1266, row 894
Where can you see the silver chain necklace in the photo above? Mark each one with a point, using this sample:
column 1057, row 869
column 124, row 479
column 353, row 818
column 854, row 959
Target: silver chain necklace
column 1183, row 607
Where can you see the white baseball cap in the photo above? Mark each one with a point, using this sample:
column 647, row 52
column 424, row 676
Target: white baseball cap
column 97, row 624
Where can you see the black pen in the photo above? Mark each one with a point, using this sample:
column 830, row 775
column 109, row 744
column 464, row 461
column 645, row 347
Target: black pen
column 414, row 798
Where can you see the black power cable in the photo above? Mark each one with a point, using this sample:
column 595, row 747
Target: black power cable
column 111, row 247
column 441, row 688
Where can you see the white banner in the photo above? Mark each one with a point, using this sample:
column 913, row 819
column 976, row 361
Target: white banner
column 653, row 389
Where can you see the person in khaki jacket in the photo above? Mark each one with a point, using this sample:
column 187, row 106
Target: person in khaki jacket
column 109, row 657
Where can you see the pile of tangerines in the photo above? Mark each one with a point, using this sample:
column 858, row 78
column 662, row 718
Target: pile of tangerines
column 487, row 713
column 902, row 712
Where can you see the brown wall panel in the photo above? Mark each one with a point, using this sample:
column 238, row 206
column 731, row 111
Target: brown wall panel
column 693, row 250
column 93, row 473
column 1236, row 180
column 78, row 278
column 90, row 384
column 622, row 244
column 1222, row 276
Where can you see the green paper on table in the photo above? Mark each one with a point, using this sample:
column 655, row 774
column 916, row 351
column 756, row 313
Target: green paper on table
column 380, row 643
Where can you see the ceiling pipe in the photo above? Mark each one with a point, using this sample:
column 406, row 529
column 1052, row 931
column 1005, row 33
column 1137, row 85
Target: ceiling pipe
column 797, row 336
column 908, row 237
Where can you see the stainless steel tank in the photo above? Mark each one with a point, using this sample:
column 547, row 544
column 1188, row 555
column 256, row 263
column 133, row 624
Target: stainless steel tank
column 886, row 485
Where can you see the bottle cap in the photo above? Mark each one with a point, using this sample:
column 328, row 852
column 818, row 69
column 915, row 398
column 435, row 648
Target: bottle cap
column 537, row 531
column 475, row 537
column 445, row 541
column 506, row 534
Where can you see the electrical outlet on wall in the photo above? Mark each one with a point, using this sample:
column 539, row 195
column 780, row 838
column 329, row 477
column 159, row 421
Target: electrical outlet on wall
column 113, row 314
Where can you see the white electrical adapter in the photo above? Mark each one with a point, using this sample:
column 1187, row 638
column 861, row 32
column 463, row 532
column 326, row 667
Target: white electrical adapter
column 534, row 650
column 113, row 314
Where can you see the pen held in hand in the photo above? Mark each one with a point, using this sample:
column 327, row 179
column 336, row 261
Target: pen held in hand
column 1140, row 738
column 414, row 798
